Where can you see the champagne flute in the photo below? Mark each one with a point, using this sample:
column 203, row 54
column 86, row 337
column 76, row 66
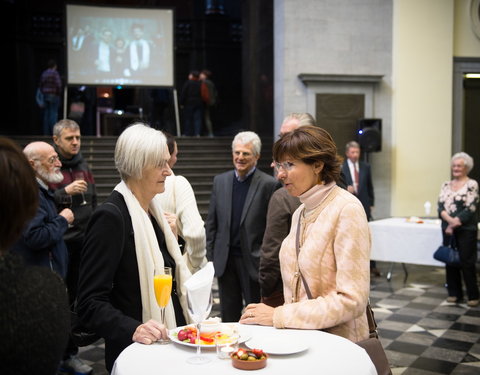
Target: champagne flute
column 79, row 176
column 65, row 201
column 199, row 310
column 162, row 284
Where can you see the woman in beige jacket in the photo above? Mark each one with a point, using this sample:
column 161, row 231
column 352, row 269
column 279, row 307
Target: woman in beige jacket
column 327, row 284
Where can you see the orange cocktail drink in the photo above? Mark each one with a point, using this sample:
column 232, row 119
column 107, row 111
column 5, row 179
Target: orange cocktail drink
column 163, row 289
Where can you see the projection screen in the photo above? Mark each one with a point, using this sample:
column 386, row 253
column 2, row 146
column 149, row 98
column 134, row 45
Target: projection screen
column 119, row 46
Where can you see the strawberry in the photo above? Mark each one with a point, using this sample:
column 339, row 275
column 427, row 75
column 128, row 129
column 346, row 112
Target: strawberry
column 258, row 352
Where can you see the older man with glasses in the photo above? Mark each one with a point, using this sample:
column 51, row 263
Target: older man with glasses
column 42, row 243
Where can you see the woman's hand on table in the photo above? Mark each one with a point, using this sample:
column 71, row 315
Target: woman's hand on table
column 149, row 332
column 257, row 313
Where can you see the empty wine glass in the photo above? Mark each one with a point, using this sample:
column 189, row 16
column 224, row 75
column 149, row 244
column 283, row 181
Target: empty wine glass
column 199, row 308
column 79, row 176
column 65, row 201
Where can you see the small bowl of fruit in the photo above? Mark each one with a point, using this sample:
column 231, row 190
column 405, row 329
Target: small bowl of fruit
column 253, row 359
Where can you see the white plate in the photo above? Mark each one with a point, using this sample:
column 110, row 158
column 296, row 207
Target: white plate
column 244, row 335
column 276, row 345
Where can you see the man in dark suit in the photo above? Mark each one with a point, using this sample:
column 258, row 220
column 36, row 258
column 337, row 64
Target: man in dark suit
column 358, row 178
column 235, row 226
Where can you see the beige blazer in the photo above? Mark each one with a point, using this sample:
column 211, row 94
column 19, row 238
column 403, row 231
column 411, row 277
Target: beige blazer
column 335, row 261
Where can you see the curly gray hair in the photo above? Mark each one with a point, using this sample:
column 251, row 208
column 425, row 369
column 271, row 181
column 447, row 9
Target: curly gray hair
column 467, row 159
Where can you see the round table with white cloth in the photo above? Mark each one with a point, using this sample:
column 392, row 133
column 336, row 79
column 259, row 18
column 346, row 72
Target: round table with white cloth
column 324, row 354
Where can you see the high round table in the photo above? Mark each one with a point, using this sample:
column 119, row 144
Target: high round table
column 326, row 354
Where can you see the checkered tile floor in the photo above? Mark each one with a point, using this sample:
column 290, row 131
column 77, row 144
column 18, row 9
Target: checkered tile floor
column 422, row 334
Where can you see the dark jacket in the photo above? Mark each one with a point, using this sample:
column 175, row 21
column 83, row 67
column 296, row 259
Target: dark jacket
column 365, row 186
column 252, row 222
column 191, row 94
column 41, row 242
column 34, row 318
column 109, row 297
column 279, row 218
column 82, row 213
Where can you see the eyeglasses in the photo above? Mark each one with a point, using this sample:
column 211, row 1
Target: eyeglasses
column 286, row 166
column 51, row 160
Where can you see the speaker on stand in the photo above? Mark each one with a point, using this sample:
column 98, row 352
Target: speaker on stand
column 369, row 133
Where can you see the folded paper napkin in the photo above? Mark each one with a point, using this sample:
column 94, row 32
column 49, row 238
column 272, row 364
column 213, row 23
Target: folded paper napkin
column 199, row 288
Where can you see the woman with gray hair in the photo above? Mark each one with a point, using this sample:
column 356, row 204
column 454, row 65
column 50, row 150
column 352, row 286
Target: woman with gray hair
column 457, row 207
column 127, row 238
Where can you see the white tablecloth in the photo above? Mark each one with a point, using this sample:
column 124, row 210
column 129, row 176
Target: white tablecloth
column 327, row 354
column 396, row 240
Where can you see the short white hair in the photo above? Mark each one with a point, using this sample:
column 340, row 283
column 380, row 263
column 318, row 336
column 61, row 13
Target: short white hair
column 467, row 159
column 139, row 147
column 247, row 137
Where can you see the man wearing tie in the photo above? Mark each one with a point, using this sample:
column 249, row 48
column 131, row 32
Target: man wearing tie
column 358, row 178
column 139, row 50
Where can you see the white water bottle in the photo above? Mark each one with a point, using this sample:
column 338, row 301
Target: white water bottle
column 428, row 207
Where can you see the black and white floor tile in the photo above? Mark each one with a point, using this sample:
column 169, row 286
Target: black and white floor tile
column 422, row 334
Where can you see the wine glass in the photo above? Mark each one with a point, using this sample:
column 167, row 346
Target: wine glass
column 199, row 308
column 162, row 284
column 79, row 176
column 65, row 201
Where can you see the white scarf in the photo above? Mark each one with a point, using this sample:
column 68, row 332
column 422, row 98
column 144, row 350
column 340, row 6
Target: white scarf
column 149, row 256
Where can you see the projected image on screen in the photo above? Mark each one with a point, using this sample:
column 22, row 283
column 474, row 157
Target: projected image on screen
column 119, row 46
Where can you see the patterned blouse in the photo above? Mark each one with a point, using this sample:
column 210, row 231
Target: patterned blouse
column 461, row 203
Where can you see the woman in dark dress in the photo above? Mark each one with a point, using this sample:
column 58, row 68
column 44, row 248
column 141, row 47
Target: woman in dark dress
column 457, row 207
column 128, row 238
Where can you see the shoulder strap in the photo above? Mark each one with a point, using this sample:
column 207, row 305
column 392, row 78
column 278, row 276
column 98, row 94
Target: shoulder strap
column 372, row 324
column 297, row 246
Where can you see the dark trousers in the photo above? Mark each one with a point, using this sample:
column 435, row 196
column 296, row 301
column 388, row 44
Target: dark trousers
column 466, row 241
column 50, row 113
column 235, row 286
column 193, row 120
column 74, row 249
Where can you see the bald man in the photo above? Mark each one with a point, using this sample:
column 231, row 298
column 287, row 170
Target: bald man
column 42, row 243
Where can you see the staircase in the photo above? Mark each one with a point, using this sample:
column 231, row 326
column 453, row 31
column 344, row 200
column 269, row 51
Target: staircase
column 199, row 160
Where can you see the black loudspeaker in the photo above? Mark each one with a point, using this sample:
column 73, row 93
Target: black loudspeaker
column 369, row 131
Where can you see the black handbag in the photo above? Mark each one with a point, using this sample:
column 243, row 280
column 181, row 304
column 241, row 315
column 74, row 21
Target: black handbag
column 448, row 254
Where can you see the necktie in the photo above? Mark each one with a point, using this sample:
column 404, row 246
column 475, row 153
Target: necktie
column 357, row 177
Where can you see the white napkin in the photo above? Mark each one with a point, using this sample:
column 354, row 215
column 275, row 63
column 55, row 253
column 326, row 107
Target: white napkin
column 199, row 288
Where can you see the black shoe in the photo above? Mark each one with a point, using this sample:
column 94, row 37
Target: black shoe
column 375, row 272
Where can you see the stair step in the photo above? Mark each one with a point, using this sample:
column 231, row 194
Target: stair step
column 200, row 160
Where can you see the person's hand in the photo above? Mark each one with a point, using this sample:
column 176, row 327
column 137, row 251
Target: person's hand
column 449, row 230
column 351, row 189
column 76, row 187
column 172, row 222
column 149, row 332
column 257, row 313
column 455, row 222
column 67, row 213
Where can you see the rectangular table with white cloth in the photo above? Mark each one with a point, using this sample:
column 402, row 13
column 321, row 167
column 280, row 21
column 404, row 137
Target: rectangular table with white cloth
column 403, row 241
column 309, row 351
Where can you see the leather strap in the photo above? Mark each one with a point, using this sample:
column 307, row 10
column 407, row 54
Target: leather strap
column 372, row 324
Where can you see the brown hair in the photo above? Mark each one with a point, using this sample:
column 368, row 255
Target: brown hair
column 170, row 141
column 311, row 145
column 18, row 192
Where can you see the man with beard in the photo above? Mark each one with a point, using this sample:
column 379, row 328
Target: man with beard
column 78, row 186
column 41, row 242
